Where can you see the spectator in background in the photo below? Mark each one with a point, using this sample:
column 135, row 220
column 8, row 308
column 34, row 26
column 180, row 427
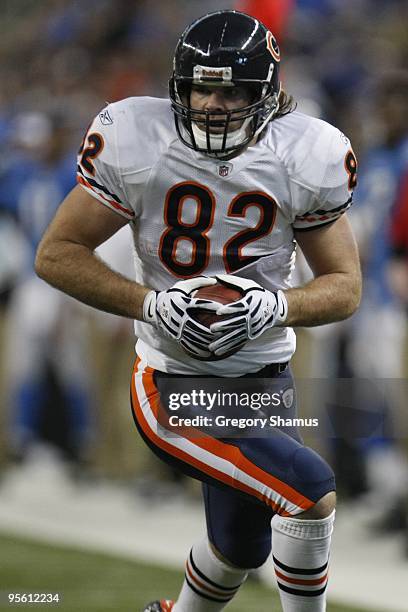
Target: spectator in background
column 377, row 335
column 275, row 15
column 42, row 343
column 398, row 280
column 13, row 257
column 398, row 267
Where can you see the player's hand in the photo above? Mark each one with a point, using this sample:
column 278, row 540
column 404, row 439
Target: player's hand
column 168, row 311
column 258, row 310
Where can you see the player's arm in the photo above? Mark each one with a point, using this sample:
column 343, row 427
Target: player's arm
column 335, row 292
column 66, row 258
column 330, row 248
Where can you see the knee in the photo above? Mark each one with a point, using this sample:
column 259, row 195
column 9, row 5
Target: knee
column 316, row 482
column 321, row 509
column 221, row 557
column 243, row 559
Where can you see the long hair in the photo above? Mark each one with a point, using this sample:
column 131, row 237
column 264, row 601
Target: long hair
column 287, row 104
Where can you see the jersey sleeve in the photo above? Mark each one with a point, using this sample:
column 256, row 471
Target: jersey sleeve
column 98, row 168
column 335, row 174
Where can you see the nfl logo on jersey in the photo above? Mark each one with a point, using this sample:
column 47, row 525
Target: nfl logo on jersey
column 224, row 169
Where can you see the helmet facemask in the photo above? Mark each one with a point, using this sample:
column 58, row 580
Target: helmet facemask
column 200, row 130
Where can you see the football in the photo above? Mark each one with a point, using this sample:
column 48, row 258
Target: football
column 223, row 295
column 217, row 293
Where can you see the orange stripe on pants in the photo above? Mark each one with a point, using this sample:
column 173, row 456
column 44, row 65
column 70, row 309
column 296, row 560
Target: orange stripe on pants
column 224, row 451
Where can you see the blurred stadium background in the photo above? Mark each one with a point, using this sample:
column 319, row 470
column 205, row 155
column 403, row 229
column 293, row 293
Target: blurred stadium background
column 84, row 508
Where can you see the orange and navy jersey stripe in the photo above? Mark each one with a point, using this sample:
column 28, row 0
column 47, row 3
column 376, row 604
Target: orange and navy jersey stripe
column 321, row 217
column 103, row 194
column 212, row 460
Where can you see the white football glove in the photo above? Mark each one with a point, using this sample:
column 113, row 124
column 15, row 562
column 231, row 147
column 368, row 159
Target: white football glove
column 168, row 311
column 258, row 310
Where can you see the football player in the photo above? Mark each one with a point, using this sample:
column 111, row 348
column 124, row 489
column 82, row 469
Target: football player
column 221, row 180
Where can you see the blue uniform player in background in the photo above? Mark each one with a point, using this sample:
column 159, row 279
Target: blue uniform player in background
column 41, row 341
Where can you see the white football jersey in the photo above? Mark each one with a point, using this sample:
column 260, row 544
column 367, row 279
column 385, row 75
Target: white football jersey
column 192, row 214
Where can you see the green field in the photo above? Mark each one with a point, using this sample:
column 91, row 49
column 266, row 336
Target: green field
column 90, row 582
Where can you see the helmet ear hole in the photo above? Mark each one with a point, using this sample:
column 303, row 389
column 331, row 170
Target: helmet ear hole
column 184, row 90
column 255, row 92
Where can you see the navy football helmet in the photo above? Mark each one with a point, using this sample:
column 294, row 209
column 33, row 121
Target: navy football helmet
column 228, row 49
